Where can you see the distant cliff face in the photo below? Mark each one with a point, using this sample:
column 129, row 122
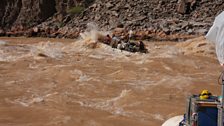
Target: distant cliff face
column 9, row 11
column 25, row 12
column 28, row 13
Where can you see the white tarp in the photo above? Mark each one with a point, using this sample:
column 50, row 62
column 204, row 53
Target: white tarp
column 174, row 121
column 216, row 35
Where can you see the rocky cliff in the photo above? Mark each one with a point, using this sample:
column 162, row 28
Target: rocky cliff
column 148, row 18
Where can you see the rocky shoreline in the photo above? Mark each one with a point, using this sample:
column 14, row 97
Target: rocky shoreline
column 160, row 20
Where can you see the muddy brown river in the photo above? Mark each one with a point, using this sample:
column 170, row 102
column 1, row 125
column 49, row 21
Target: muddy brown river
column 62, row 82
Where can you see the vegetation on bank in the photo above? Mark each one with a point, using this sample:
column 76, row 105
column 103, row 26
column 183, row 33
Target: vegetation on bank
column 76, row 10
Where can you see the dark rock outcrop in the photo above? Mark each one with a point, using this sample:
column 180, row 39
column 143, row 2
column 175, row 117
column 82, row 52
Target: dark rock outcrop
column 27, row 13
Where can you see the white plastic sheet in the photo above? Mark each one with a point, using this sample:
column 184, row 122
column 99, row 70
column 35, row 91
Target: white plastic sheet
column 174, row 121
column 216, row 35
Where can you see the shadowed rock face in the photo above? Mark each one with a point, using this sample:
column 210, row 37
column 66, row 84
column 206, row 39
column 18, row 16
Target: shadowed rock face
column 25, row 12
column 35, row 11
column 47, row 10
column 9, row 11
column 31, row 12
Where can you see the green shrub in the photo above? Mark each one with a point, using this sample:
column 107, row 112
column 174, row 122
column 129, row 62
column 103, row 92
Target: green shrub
column 75, row 10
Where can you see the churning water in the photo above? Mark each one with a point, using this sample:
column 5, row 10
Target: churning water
column 70, row 83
